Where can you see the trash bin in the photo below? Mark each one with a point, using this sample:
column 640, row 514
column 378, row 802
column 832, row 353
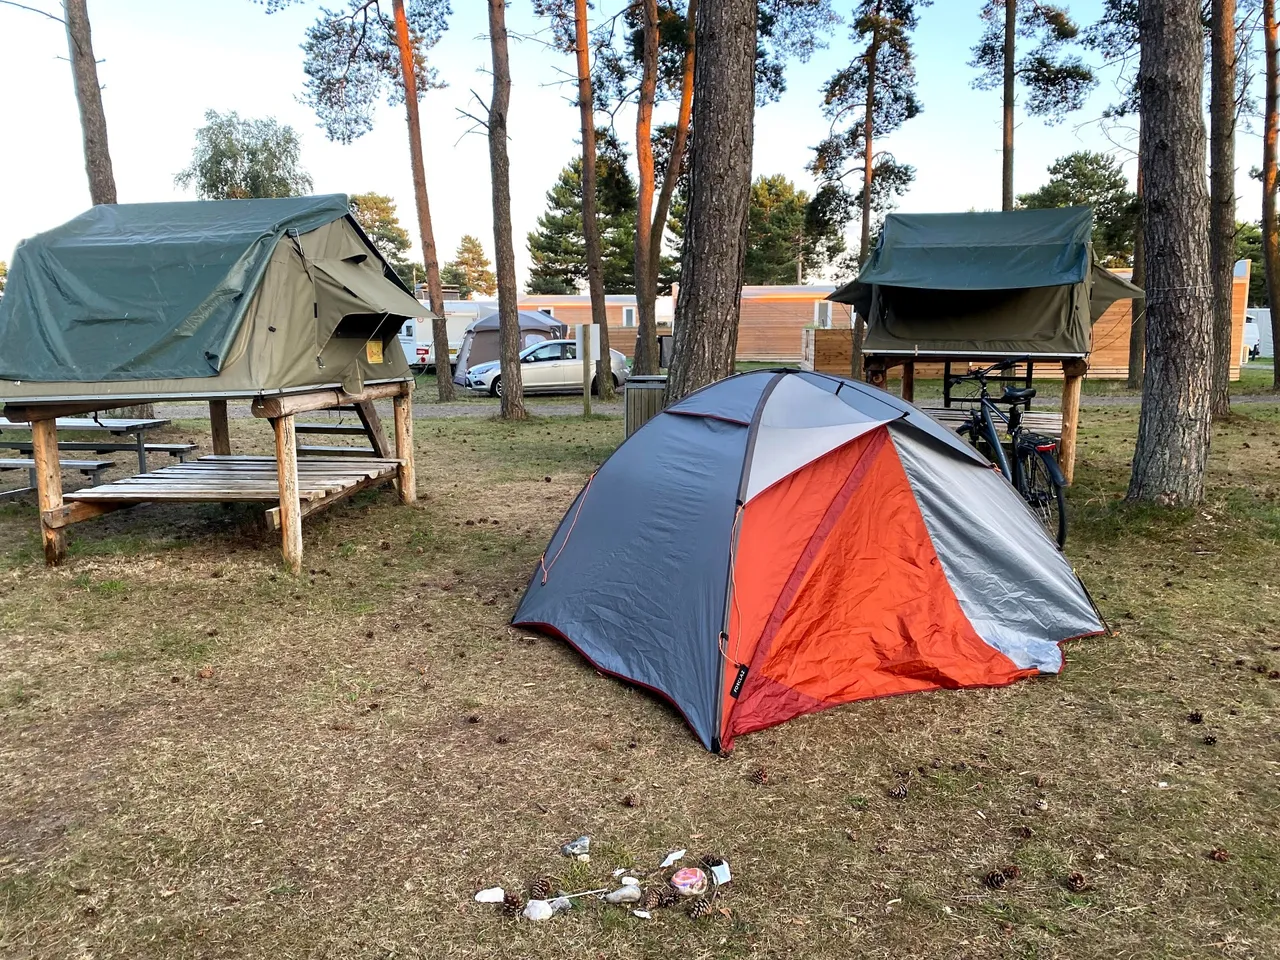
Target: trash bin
column 643, row 398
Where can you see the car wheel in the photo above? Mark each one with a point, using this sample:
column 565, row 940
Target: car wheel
column 595, row 387
column 615, row 383
column 495, row 388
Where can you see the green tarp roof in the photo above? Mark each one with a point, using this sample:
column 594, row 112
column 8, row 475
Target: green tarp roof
column 143, row 291
column 980, row 251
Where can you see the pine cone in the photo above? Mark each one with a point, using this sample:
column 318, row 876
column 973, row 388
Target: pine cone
column 898, row 791
column 540, row 889
column 995, row 880
column 630, row 800
column 1195, row 716
column 1025, row 833
column 512, row 903
column 652, row 898
column 1219, row 855
column 710, row 860
column 1210, row 740
column 699, row 908
column 1076, row 882
column 667, row 897
column 759, row 775
column 1012, row 871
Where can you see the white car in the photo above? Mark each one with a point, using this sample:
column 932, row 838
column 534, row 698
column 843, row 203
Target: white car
column 551, row 366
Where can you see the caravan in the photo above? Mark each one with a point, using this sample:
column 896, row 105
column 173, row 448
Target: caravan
column 416, row 336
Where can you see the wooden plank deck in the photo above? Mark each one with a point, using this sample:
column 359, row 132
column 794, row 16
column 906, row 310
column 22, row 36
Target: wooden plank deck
column 1037, row 421
column 222, row 478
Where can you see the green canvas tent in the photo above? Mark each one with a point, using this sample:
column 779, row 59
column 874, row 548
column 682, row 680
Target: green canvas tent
column 984, row 284
column 219, row 298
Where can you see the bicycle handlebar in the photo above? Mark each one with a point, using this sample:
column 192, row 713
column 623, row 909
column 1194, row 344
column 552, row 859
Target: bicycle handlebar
column 984, row 372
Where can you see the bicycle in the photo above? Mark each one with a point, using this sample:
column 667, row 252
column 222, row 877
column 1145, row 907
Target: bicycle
column 1034, row 471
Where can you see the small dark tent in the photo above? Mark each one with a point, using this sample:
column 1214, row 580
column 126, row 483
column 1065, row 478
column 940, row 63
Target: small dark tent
column 984, row 284
column 206, row 298
column 781, row 542
column 480, row 343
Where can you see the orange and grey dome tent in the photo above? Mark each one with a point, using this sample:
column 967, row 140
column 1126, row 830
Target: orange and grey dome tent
column 781, row 542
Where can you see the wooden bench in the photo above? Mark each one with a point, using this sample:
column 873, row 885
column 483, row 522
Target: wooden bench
column 93, row 469
column 179, row 450
column 323, row 450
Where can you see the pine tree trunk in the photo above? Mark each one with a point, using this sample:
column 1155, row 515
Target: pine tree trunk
column 93, row 121
column 1222, row 195
column 503, row 250
column 868, row 141
column 1138, row 328
column 1173, row 429
column 590, row 219
column 646, row 358
column 706, row 333
column 1270, row 227
column 647, row 293
column 435, row 291
column 1006, row 172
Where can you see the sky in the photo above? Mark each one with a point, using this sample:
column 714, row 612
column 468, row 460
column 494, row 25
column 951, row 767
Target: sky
column 164, row 63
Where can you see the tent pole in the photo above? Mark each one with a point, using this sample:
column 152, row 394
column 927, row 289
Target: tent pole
column 44, row 449
column 1073, row 372
column 407, row 475
column 219, row 428
column 290, row 508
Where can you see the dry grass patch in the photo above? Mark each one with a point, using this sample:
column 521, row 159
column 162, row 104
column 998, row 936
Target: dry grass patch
column 202, row 756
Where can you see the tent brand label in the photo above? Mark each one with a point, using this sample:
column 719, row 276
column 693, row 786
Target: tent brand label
column 738, row 681
column 373, row 351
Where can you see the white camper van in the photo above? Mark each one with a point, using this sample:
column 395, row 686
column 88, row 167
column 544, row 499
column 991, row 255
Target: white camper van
column 417, row 339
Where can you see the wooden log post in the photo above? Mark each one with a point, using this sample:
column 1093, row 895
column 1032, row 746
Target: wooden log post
column 372, row 424
column 44, row 449
column 1073, row 372
column 909, row 381
column 219, row 428
column 290, row 508
column 407, row 475
column 586, row 369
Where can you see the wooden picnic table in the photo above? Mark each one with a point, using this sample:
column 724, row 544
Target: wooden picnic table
column 116, row 426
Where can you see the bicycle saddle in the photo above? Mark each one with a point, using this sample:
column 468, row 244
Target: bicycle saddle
column 1017, row 394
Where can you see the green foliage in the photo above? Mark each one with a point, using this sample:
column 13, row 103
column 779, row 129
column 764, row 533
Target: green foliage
column 352, row 60
column 1057, row 82
column 376, row 215
column 558, row 247
column 881, row 32
column 1249, row 247
column 470, row 270
column 4, row 275
column 238, row 159
column 788, row 235
column 1086, row 178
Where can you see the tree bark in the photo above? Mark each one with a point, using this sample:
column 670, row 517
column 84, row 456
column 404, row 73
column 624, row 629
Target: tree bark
column 646, row 359
column 868, row 140
column 93, row 121
column 1174, row 426
column 706, row 333
column 1270, row 228
column 435, row 291
column 503, row 250
column 1006, row 172
column 1222, row 194
column 1138, row 327
column 590, row 219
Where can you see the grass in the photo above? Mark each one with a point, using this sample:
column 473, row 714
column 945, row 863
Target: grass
column 201, row 756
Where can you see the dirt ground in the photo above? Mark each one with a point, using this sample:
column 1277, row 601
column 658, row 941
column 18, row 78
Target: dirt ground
column 201, row 756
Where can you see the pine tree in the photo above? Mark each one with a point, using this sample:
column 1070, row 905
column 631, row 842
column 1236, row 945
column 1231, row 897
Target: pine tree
column 1056, row 82
column 787, row 238
column 376, row 215
column 470, row 270
column 558, row 247
column 1086, row 178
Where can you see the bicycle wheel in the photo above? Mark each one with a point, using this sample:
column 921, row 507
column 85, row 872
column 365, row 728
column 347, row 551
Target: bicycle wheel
column 1046, row 495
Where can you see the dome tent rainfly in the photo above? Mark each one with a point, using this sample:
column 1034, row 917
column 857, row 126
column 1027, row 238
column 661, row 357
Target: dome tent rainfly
column 481, row 344
column 202, row 298
column 806, row 541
